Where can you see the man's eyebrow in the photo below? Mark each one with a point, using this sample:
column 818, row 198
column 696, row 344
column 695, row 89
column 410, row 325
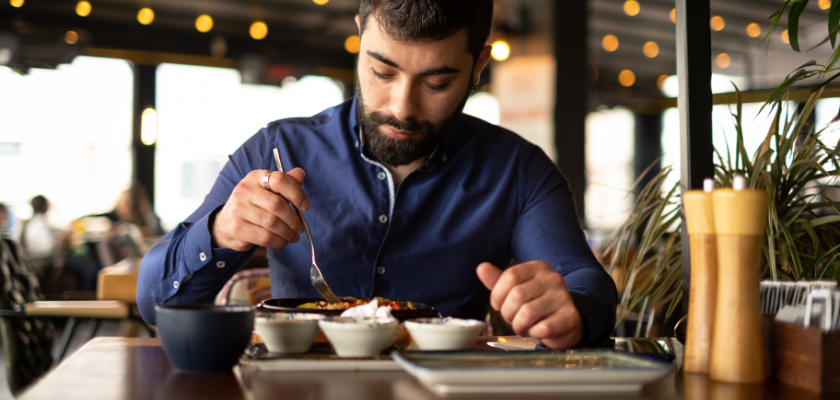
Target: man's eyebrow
column 433, row 71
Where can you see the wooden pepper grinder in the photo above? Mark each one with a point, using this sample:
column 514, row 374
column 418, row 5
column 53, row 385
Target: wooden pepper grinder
column 700, row 222
column 737, row 343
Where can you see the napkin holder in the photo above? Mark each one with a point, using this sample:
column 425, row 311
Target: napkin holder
column 806, row 357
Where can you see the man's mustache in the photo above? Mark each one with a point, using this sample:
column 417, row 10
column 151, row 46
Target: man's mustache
column 410, row 125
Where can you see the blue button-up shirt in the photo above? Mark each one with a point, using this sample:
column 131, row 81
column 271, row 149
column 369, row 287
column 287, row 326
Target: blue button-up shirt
column 485, row 194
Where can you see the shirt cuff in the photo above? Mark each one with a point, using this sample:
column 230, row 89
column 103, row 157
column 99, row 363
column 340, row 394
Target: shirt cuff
column 593, row 324
column 198, row 253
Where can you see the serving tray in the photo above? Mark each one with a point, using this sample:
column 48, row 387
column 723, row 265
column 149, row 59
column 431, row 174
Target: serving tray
column 572, row 371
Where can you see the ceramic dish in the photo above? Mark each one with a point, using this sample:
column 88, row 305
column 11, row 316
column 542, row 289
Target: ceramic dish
column 287, row 332
column 358, row 337
column 422, row 310
column 540, row 372
column 444, row 333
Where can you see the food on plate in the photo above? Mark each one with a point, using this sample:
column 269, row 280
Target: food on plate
column 350, row 302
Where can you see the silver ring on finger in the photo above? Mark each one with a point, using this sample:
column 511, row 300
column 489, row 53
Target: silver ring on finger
column 265, row 179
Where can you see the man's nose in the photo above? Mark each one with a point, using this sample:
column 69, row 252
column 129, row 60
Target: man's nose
column 403, row 102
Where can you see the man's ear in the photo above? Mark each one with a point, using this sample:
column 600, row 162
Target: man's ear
column 483, row 58
column 359, row 24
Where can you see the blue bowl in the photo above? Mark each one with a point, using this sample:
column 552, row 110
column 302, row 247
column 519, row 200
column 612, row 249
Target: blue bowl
column 204, row 338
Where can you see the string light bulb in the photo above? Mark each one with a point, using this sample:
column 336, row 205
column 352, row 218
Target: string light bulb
column 825, row 4
column 785, row 37
column 651, row 49
column 204, row 23
column 717, row 23
column 500, row 50
column 352, row 44
column 660, row 82
column 753, row 30
column 626, row 78
column 258, row 30
column 320, row 2
column 632, row 8
column 673, row 15
column 16, row 3
column 722, row 60
column 71, row 37
column 148, row 126
column 145, row 16
column 610, row 43
column 83, row 8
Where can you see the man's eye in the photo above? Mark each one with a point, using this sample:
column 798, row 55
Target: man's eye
column 437, row 88
column 380, row 76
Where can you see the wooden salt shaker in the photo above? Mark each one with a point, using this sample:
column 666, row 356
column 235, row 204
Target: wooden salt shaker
column 700, row 222
column 737, row 343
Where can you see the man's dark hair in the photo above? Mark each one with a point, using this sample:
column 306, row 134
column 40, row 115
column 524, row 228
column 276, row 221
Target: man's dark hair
column 412, row 20
column 40, row 204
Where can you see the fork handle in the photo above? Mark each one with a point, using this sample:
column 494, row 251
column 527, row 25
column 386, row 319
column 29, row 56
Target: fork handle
column 279, row 162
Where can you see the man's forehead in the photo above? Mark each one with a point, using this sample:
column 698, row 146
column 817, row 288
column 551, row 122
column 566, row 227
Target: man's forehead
column 451, row 49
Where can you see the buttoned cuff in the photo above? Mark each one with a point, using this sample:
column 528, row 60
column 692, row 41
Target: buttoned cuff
column 593, row 324
column 197, row 254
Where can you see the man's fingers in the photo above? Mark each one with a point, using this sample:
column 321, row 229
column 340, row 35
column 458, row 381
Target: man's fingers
column 288, row 186
column 524, row 310
column 298, row 174
column 559, row 330
column 260, row 236
column 488, row 274
column 279, row 206
column 509, row 279
column 270, row 222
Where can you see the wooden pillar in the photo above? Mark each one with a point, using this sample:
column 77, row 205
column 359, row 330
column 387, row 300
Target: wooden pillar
column 143, row 170
column 694, row 72
column 571, row 103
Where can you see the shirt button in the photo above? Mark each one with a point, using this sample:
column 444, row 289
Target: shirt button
column 381, row 176
column 444, row 158
column 380, row 270
column 220, row 264
column 383, row 218
column 357, row 143
column 202, row 256
column 175, row 284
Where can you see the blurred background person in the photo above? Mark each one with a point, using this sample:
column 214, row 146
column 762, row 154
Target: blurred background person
column 4, row 221
column 38, row 239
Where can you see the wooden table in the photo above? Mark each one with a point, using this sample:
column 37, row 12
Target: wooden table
column 123, row 368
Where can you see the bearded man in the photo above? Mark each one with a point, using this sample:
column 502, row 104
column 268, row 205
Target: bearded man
column 407, row 197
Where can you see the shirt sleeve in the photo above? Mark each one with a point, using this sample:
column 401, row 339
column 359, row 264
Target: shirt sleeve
column 548, row 229
column 183, row 267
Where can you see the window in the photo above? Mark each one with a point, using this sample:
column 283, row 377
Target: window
column 66, row 134
column 610, row 135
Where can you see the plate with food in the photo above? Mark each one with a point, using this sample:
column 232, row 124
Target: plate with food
column 400, row 309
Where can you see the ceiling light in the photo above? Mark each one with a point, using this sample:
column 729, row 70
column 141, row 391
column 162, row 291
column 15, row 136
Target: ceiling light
column 320, row 2
column 717, row 23
column 83, row 8
column 651, row 49
column 145, row 16
column 785, row 37
column 16, row 3
column 204, row 23
column 723, row 60
column 258, row 30
column 626, row 78
column 753, row 30
column 610, row 43
column 673, row 15
column 631, row 7
column 71, row 37
column 825, row 4
column 500, row 51
column 352, row 44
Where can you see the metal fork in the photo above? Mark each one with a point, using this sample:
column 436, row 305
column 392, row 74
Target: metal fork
column 314, row 272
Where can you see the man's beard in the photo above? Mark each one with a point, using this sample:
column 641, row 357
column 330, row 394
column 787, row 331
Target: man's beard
column 394, row 153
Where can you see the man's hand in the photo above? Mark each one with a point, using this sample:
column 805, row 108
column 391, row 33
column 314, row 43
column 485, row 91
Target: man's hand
column 533, row 298
column 255, row 216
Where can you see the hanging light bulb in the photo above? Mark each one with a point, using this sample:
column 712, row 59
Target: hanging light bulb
column 83, row 8
column 500, row 51
column 204, row 23
column 258, row 30
column 145, row 16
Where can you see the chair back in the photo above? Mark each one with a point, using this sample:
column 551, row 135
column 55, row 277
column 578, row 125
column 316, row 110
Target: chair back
column 27, row 342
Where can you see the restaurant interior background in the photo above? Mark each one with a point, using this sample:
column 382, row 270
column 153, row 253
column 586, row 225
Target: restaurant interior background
column 97, row 94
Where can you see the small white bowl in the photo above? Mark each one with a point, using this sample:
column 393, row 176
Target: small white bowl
column 353, row 337
column 444, row 333
column 288, row 332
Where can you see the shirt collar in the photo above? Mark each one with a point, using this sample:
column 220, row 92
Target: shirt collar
column 444, row 152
